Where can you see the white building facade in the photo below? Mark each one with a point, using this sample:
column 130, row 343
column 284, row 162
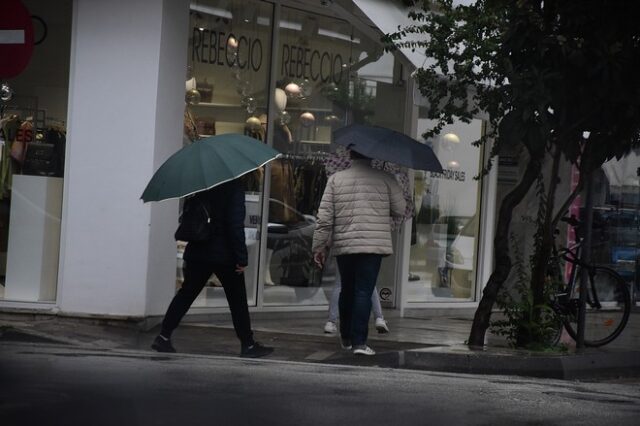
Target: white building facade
column 106, row 90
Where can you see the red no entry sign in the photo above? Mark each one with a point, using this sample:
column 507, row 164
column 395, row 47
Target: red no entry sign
column 16, row 38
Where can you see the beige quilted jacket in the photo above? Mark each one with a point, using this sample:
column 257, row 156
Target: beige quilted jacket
column 355, row 211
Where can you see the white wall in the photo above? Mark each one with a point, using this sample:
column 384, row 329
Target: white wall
column 173, row 60
column 125, row 117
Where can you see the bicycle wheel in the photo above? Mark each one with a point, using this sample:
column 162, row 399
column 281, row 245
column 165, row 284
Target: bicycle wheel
column 607, row 309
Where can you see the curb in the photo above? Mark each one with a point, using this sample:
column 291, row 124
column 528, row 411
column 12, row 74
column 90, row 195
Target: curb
column 565, row 366
column 595, row 365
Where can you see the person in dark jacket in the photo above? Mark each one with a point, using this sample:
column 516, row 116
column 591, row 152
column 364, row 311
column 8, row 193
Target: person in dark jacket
column 224, row 254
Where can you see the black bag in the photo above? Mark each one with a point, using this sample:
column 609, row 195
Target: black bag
column 195, row 221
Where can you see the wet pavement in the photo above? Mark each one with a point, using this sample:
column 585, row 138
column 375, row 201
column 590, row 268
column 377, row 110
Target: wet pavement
column 70, row 385
column 432, row 342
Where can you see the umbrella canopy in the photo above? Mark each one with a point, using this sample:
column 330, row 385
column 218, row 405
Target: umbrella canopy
column 387, row 145
column 206, row 163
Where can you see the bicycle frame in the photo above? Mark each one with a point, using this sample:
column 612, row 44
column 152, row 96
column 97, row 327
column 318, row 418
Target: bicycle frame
column 572, row 256
column 567, row 304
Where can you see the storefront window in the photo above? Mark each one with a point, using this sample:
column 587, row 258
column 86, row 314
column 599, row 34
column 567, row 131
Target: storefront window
column 33, row 113
column 616, row 216
column 444, row 243
column 328, row 75
column 229, row 58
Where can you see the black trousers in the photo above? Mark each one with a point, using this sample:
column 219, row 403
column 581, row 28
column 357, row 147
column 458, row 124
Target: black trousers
column 196, row 275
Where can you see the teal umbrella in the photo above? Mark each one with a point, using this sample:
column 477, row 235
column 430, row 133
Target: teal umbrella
column 206, row 163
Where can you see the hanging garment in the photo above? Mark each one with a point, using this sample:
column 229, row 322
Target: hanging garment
column 8, row 131
column 310, row 180
column 282, row 204
column 10, row 127
column 24, row 136
column 252, row 182
column 58, row 138
column 190, row 128
column 5, row 168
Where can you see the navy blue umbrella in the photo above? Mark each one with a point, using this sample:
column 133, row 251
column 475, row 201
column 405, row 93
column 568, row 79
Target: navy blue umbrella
column 387, row 145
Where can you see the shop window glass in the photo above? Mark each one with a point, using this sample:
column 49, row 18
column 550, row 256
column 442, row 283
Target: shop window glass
column 229, row 58
column 444, row 243
column 616, row 233
column 32, row 139
column 328, row 75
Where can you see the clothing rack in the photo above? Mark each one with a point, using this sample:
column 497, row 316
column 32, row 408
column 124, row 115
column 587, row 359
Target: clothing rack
column 51, row 121
column 308, row 178
column 39, row 115
column 308, row 156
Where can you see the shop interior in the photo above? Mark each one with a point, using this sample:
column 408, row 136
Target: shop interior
column 33, row 110
column 328, row 75
column 445, row 229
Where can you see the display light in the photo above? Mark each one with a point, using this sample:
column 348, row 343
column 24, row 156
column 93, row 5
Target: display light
column 6, row 93
column 192, row 97
column 292, row 90
column 307, row 119
column 451, row 138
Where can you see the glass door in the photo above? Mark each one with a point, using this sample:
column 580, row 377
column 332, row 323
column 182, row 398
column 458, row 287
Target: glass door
column 444, row 242
column 328, row 75
column 229, row 58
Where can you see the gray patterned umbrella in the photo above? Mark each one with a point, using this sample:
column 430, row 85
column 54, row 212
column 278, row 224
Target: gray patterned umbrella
column 388, row 145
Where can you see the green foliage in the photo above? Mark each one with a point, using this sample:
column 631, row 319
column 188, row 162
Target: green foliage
column 556, row 77
column 354, row 96
column 541, row 72
column 525, row 324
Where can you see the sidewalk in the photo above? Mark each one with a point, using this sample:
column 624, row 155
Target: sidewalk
column 430, row 343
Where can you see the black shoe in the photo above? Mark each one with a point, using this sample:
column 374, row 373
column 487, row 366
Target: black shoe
column 162, row 345
column 256, row 350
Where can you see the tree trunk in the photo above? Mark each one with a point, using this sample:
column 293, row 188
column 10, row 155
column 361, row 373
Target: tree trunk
column 501, row 253
column 543, row 249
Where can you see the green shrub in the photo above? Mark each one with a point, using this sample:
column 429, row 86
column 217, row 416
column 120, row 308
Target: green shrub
column 520, row 326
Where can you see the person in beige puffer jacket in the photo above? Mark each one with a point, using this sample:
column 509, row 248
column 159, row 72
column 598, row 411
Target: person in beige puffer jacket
column 354, row 221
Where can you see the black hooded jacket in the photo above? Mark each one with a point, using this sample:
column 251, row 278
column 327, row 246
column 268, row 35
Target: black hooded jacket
column 227, row 210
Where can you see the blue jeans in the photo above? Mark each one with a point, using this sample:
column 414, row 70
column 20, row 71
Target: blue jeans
column 376, row 307
column 359, row 274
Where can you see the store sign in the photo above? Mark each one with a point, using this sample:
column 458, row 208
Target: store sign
column 218, row 48
column 16, row 38
column 311, row 64
column 449, row 174
column 296, row 62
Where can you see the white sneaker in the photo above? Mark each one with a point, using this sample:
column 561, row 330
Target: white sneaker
column 330, row 327
column 381, row 326
column 363, row 350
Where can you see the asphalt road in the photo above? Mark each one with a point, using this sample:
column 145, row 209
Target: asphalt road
column 63, row 385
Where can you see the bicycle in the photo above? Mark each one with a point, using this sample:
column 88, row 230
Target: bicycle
column 608, row 300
